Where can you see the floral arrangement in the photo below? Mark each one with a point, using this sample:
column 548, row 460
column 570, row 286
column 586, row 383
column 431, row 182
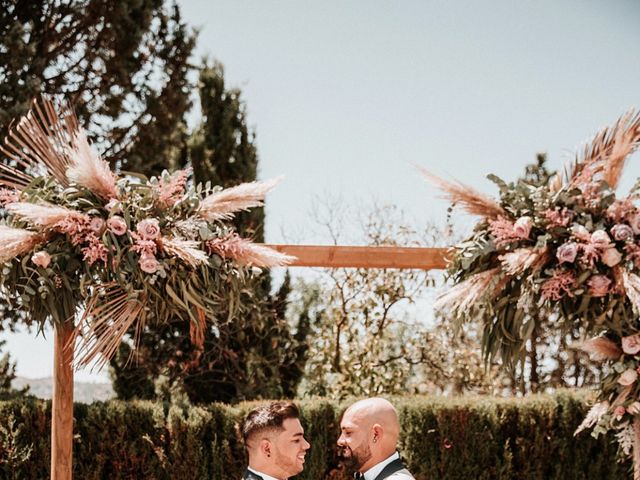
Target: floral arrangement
column 566, row 250
column 79, row 241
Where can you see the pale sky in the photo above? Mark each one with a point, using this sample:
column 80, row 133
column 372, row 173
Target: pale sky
column 345, row 96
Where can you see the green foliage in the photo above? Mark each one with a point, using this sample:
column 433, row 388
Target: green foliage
column 473, row 437
column 7, row 376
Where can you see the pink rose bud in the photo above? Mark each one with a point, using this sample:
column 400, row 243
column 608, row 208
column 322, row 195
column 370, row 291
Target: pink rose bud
column 96, row 225
column 611, row 257
column 599, row 285
column 117, row 225
column 631, row 344
column 149, row 229
column 567, row 252
column 113, row 206
column 522, row 227
column 622, row 232
column 634, row 221
column 619, row 412
column 41, row 259
column 580, row 233
column 148, row 263
column 628, row 377
column 600, row 238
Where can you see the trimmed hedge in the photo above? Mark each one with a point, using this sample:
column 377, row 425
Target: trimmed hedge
column 463, row 438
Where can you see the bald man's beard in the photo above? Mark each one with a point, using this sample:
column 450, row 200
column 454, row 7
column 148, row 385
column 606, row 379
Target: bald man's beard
column 356, row 458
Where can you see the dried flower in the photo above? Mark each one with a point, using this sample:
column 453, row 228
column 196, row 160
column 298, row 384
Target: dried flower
column 41, row 259
column 628, row 377
column 245, row 252
column 117, row 225
column 97, row 225
column 634, row 408
column 522, row 227
column 148, row 263
column 88, row 169
column 567, row 252
column 560, row 283
column 599, row 285
column 611, row 257
column 622, row 232
column 581, row 233
column 223, row 204
column 595, row 414
column 619, row 412
column 600, row 239
column 558, row 217
column 113, row 206
column 631, row 344
column 634, row 221
column 148, row 229
column 600, row 349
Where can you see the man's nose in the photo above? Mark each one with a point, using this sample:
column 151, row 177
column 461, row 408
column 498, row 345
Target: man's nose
column 306, row 444
column 340, row 441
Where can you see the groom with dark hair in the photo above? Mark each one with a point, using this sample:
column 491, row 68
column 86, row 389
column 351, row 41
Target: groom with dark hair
column 274, row 439
column 369, row 438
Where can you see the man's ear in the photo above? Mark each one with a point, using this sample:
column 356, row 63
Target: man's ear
column 376, row 432
column 265, row 447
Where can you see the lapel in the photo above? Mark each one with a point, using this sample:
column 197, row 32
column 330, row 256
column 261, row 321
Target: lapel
column 390, row 469
column 249, row 475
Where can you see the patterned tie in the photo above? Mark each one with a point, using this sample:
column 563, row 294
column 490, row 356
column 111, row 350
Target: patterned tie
column 358, row 476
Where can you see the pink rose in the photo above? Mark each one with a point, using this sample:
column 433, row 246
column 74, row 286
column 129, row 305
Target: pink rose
column 622, row 232
column 581, row 233
column 628, row 377
column 599, row 285
column 148, row 263
column 96, row 225
column 631, row 344
column 41, row 259
column 522, row 227
column 611, row 257
column 117, row 225
column 634, row 221
column 619, row 412
column 600, row 239
column 149, row 229
column 567, row 252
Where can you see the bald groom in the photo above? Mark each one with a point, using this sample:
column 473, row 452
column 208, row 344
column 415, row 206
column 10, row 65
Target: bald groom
column 369, row 437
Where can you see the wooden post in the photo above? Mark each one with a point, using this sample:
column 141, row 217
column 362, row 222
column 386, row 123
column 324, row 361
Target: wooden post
column 62, row 405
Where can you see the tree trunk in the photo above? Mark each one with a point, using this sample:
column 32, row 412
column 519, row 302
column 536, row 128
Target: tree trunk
column 62, row 405
column 636, row 448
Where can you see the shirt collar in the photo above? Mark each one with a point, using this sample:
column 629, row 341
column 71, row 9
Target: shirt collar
column 263, row 475
column 374, row 471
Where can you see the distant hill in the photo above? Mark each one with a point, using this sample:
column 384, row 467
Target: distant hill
column 84, row 392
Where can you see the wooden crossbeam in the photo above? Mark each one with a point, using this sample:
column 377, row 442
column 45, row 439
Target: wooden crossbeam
column 332, row 256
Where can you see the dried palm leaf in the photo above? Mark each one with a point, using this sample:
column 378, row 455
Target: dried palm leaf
column 606, row 153
column 469, row 199
column 224, row 204
column 39, row 144
column 108, row 315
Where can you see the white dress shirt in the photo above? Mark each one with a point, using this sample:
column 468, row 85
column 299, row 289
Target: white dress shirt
column 263, row 475
column 374, row 471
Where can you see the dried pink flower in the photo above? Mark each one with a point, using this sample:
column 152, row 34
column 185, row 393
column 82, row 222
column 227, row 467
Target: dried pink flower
column 41, row 259
column 599, row 285
column 148, row 263
column 620, row 209
column 580, row 233
column 96, row 250
column 117, row 225
column 148, row 229
column 562, row 282
column 522, row 227
column 611, row 257
column 170, row 192
column 600, row 239
column 502, row 231
column 86, row 168
column 628, row 377
column 245, row 252
column 113, row 206
column 558, row 217
column 631, row 344
column 97, row 225
column 619, row 412
column 622, row 232
column 567, row 252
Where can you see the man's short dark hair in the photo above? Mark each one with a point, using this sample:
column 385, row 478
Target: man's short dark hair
column 266, row 417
